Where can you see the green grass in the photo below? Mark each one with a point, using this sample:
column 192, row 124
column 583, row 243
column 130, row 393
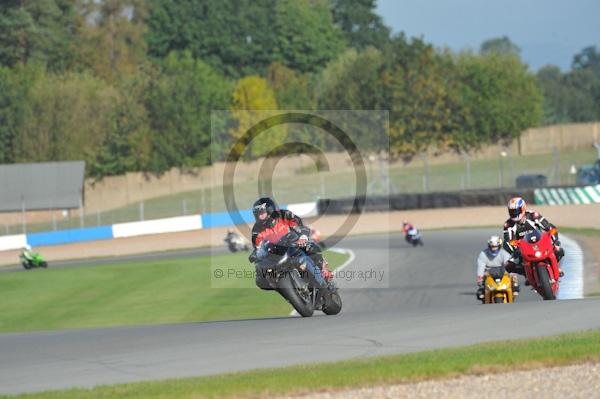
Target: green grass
column 133, row 293
column 334, row 184
column 582, row 231
column 497, row 357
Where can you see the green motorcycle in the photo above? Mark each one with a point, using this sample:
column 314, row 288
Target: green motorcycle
column 31, row 260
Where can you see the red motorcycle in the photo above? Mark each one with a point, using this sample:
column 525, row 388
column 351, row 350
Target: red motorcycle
column 539, row 261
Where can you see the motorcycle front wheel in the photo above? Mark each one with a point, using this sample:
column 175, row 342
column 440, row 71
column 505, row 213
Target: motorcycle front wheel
column 289, row 291
column 545, row 286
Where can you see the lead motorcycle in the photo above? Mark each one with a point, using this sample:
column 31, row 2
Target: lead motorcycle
column 285, row 272
column 539, row 262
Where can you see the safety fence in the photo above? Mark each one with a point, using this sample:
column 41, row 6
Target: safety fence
column 156, row 226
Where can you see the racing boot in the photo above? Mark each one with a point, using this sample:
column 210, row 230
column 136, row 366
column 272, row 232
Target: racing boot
column 325, row 272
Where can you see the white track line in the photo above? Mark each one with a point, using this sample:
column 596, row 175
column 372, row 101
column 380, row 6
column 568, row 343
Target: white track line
column 337, row 269
column 571, row 285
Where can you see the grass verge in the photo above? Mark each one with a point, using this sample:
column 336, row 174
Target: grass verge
column 444, row 363
column 136, row 292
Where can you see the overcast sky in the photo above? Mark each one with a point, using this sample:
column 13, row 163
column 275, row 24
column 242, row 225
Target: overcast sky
column 547, row 31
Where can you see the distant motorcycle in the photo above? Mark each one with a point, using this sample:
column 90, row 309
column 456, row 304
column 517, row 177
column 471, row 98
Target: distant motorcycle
column 236, row 243
column 539, row 262
column 498, row 286
column 31, row 260
column 284, row 274
column 413, row 237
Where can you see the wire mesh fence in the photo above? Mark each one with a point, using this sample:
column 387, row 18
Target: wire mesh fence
column 309, row 185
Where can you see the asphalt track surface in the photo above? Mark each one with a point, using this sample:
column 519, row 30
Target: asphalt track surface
column 424, row 301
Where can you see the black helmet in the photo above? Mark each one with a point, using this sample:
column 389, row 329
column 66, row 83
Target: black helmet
column 263, row 209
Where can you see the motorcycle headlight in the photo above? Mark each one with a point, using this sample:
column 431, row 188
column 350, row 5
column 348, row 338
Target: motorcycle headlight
column 538, row 254
column 502, row 287
column 491, row 287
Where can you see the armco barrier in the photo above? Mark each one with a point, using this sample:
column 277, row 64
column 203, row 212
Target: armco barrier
column 423, row 201
column 156, row 226
column 567, row 195
column 221, row 219
column 70, row 235
column 12, row 242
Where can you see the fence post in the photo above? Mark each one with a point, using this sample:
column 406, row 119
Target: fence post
column 81, row 223
column 54, row 220
column 467, row 158
column 23, row 221
column 142, row 211
column 555, row 155
column 184, row 206
column 423, row 157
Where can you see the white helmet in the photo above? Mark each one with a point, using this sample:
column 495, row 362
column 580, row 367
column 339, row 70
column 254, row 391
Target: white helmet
column 27, row 247
column 494, row 243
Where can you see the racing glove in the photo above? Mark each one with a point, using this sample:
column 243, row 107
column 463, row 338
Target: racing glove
column 252, row 257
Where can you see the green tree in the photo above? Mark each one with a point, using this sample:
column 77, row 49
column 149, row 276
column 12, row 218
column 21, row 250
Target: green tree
column 422, row 100
column 127, row 146
column 243, row 37
column 253, row 94
column 353, row 81
column 361, row 24
column 39, row 31
column 569, row 97
column 67, row 118
column 179, row 104
column 14, row 92
column 500, row 97
column 292, row 89
column 500, row 45
column 113, row 37
column 588, row 58
column 306, row 36
column 236, row 37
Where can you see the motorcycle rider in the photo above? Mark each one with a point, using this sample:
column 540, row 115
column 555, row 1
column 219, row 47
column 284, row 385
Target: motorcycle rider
column 273, row 223
column 493, row 256
column 520, row 223
column 27, row 253
column 409, row 230
column 232, row 238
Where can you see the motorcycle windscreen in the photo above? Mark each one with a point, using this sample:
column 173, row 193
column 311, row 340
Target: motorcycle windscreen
column 497, row 272
column 533, row 237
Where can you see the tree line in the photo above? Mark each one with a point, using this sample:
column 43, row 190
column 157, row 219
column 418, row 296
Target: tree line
column 129, row 85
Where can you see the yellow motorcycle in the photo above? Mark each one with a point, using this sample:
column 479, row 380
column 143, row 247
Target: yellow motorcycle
column 498, row 286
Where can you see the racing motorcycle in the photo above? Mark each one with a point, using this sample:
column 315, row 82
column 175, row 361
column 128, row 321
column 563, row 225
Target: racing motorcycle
column 539, row 262
column 413, row 237
column 236, row 243
column 285, row 273
column 35, row 260
column 498, row 286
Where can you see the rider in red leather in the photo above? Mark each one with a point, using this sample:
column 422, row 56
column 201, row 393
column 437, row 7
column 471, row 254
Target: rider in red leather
column 273, row 223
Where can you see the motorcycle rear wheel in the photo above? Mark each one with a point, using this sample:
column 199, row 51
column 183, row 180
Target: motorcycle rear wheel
column 545, row 286
column 287, row 289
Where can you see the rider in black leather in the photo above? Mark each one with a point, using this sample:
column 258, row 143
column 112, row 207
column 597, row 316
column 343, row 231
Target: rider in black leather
column 520, row 223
